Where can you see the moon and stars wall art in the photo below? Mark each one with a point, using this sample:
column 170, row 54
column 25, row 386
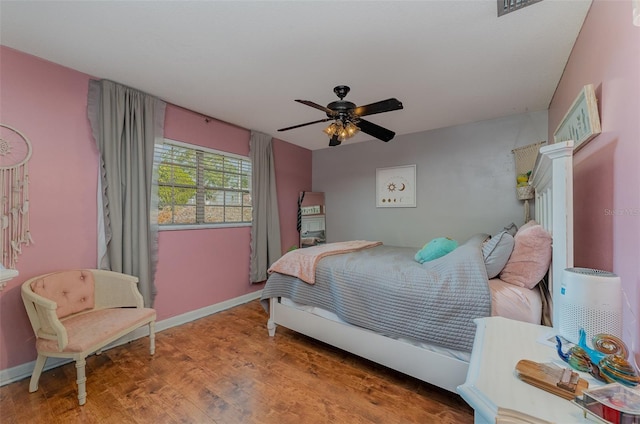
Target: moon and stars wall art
column 396, row 187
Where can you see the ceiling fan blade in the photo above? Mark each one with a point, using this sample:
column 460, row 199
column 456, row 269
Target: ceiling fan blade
column 317, row 106
column 304, row 125
column 378, row 107
column 375, row 130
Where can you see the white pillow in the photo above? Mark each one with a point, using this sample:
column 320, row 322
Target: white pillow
column 496, row 252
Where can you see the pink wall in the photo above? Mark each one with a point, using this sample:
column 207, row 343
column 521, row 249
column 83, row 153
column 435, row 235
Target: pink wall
column 606, row 175
column 292, row 179
column 196, row 268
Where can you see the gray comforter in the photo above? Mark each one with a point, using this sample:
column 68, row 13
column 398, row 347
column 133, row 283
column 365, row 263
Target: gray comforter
column 385, row 290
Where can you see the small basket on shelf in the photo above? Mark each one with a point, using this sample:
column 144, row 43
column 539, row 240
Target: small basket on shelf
column 525, row 192
column 525, row 160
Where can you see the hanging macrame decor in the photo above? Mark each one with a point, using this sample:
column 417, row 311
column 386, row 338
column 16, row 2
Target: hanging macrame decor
column 15, row 152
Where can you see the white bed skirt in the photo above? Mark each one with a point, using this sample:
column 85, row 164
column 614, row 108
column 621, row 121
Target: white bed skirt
column 457, row 354
column 438, row 369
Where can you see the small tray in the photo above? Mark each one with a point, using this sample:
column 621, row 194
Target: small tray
column 549, row 378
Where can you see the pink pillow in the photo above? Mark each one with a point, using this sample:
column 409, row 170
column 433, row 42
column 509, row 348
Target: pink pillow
column 530, row 258
column 528, row 224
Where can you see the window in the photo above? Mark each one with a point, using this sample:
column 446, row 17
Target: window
column 201, row 187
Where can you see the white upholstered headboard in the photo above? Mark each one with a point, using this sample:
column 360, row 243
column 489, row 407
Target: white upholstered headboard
column 552, row 179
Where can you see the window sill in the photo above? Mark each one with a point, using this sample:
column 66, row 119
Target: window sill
column 202, row 226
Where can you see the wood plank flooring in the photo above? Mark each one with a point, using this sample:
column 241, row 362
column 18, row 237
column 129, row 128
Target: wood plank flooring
column 224, row 368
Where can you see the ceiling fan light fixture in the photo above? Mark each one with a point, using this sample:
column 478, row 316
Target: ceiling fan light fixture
column 352, row 129
column 331, row 129
column 341, row 131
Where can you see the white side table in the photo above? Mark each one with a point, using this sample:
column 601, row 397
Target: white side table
column 492, row 382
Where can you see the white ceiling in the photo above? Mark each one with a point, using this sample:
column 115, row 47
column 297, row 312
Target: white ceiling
column 244, row 62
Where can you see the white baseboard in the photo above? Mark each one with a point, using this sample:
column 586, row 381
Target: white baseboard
column 23, row 371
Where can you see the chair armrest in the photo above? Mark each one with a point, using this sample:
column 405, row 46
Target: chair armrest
column 116, row 290
column 43, row 317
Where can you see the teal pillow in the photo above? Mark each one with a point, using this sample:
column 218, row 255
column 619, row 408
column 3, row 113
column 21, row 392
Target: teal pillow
column 435, row 249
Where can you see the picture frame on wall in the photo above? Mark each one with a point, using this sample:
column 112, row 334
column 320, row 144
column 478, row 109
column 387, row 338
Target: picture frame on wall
column 396, row 187
column 581, row 123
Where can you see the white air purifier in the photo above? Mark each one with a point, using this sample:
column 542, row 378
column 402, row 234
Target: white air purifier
column 590, row 299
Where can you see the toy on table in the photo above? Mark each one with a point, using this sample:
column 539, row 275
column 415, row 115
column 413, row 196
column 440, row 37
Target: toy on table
column 607, row 361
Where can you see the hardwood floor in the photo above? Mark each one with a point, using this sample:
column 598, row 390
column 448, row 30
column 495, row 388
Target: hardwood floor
column 224, row 368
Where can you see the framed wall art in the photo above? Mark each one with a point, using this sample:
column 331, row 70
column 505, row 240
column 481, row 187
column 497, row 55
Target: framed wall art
column 396, row 187
column 581, row 122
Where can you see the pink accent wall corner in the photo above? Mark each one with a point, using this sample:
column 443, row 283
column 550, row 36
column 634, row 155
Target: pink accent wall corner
column 196, row 268
column 606, row 172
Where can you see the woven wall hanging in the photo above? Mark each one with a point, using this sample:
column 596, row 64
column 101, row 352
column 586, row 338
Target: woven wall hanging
column 15, row 152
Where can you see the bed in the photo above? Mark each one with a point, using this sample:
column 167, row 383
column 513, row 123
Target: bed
column 436, row 350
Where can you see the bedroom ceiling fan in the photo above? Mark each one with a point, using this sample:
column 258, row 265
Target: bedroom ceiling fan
column 347, row 117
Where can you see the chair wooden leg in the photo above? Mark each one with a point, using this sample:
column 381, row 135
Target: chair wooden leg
column 81, row 380
column 152, row 337
column 37, row 370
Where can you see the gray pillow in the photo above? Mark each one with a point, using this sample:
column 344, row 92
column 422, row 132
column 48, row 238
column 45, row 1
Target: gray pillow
column 496, row 252
column 511, row 229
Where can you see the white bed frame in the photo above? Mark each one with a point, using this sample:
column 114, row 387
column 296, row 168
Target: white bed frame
column 553, row 181
column 552, row 178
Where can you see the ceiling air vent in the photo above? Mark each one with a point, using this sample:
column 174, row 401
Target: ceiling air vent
column 506, row 6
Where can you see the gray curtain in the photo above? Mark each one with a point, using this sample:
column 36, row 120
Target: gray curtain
column 265, row 230
column 126, row 125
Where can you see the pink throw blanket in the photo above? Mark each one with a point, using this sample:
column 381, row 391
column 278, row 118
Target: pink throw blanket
column 301, row 263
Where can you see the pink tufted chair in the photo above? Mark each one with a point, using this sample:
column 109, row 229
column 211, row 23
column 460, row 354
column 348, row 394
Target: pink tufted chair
column 76, row 313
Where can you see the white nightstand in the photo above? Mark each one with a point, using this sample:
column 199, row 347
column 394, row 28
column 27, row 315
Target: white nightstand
column 492, row 383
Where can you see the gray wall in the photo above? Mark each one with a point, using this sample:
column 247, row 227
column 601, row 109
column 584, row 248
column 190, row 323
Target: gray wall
column 465, row 182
